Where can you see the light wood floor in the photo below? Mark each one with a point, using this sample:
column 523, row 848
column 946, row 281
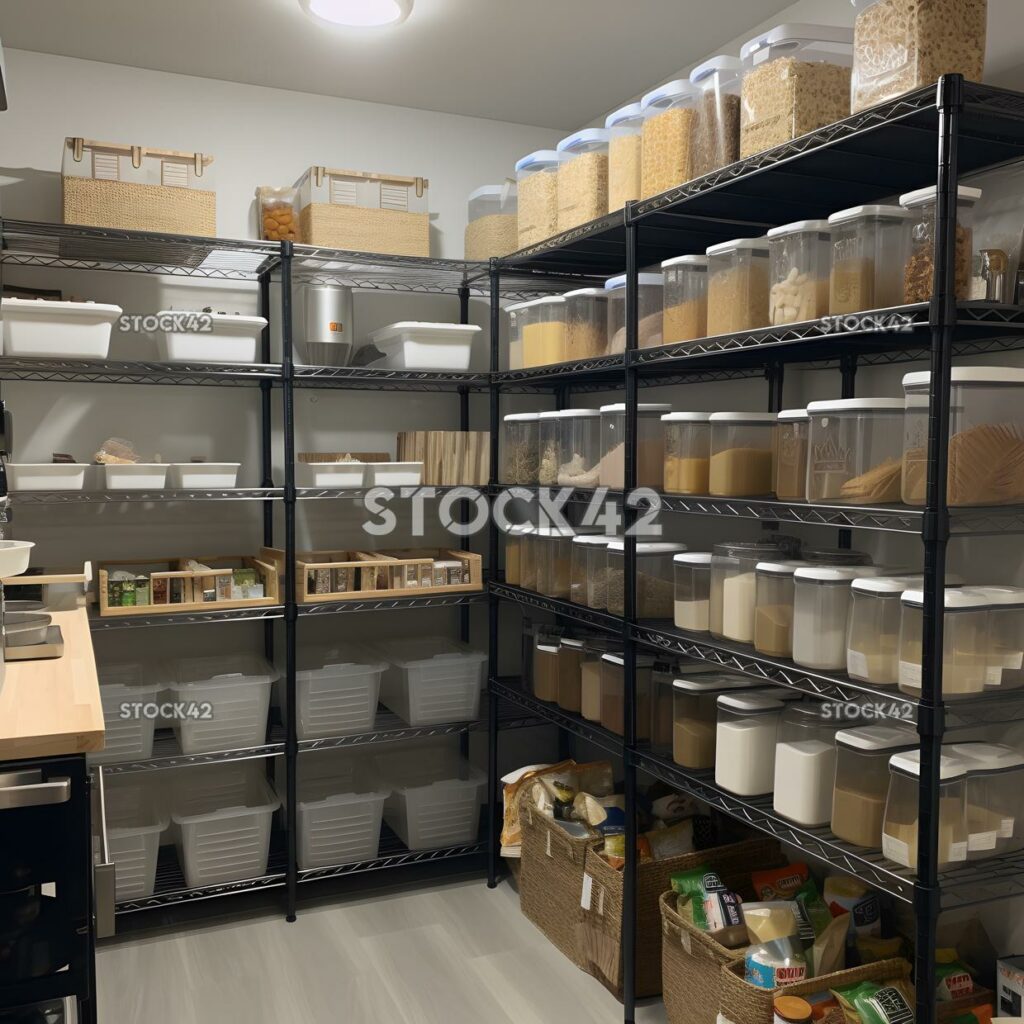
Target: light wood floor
column 455, row 953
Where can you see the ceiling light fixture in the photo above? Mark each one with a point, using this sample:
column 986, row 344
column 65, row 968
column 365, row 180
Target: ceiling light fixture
column 358, row 13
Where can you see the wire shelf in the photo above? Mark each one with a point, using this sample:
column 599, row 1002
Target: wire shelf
column 371, row 604
column 112, row 497
column 564, row 609
column 78, row 371
column 263, row 613
column 368, row 378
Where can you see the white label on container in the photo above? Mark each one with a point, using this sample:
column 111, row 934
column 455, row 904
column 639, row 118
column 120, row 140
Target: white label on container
column 1006, row 828
column 588, row 892
column 957, row 852
column 857, row 664
column 978, row 842
column 896, row 849
column 993, row 675
column 910, row 674
column 684, row 940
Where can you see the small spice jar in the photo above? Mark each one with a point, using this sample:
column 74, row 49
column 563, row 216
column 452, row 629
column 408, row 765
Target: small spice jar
column 856, row 449
column 738, row 273
column 873, row 636
column 613, row 688
column 650, row 288
column 570, row 661
column 625, row 143
column 554, row 562
column 718, row 119
column 550, row 447
column 521, row 437
column 514, row 541
column 995, row 775
column 654, row 578
column 790, row 467
column 537, row 184
column 580, row 448
column 545, row 670
column 594, row 649
column 734, row 587
column 862, row 780
column 650, row 448
column 805, row 764
column 687, row 452
column 582, row 549
column 1005, row 638
column 669, row 150
column 529, row 558
column 695, row 715
column 800, row 255
column 920, row 271
column 821, row 607
column 773, row 610
column 686, row 298
column 869, row 246
column 742, row 449
column 597, row 574
column 692, row 604
column 586, row 323
column 583, row 177
column 745, row 737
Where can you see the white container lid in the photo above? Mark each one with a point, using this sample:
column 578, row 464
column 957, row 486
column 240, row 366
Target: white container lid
column 691, row 260
column 840, row 405
column 554, row 299
column 547, row 648
column 778, row 568
column 551, row 414
column 831, row 574
column 800, row 227
column 878, row 737
column 584, row 140
column 693, row 558
column 668, row 93
column 661, row 547
column 642, row 407
column 539, row 160
column 521, row 417
column 722, row 63
column 870, row 210
column 908, row 762
column 404, row 326
column 487, row 192
column 1004, row 596
column 959, row 598
column 629, row 112
column 739, row 245
column 799, row 33
column 883, row 584
column 715, row 682
column 965, row 195
column 970, row 375
column 641, row 660
column 983, row 758
column 520, row 529
column 749, row 703
column 744, row 417
column 686, row 417
column 571, row 641
column 554, row 531
column 593, row 538
column 793, row 415
column 589, row 293
column 579, row 414
column 644, row 280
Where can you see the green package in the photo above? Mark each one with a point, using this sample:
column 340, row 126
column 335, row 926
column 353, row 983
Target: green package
column 877, row 1004
column 814, row 908
column 688, row 885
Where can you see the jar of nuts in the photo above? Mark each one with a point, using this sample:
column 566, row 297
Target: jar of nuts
column 278, row 211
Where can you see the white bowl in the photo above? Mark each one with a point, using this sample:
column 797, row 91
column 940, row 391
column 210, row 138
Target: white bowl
column 14, row 556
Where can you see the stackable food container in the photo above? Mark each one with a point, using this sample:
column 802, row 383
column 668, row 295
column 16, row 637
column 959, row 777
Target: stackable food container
column 718, row 136
column 654, row 578
column 789, row 475
column 580, row 448
column 738, row 285
column 869, row 247
column 995, row 775
column 800, row 255
column 734, row 587
column 587, row 547
column 687, row 452
column 670, row 134
column 650, row 464
column 625, row 145
column 821, row 606
column 650, row 288
column 686, row 298
column 692, row 608
column 746, row 734
column 537, row 186
column 583, row 177
column 773, row 612
column 586, row 323
column 742, row 448
column 521, row 441
column 805, row 764
column 491, row 228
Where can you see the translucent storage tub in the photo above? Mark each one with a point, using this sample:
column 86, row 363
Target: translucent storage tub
column 625, row 145
column 431, row 680
column 920, row 271
column 492, row 227
column 613, row 683
column 692, row 607
column 738, row 273
column 796, row 79
column 855, row 451
column 232, row 339
column 872, row 646
column 394, row 474
column 899, row 829
column 773, row 610
column 411, row 345
column 1005, row 638
column 833, row 556
column 995, row 775
column 789, row 476
column 515, row 540
column 330, row 474
column 586, row 323
column 583, row 177
column 545, row 671
column 903, row 45
column 862, row 780
column 127, row 738
column 539, row 326
column 337, row 689
column 670, row 137
column 986, row 436
column 805, row 764
column 435, row 798
column 745, row 736
column 135, row 819
column 594, row 650
column 655, row 586
column 650, row 290
column 528, row 559
column 46, row 476
column 718, row 131
column 580, row 448
column 207, row 476
column 687, row 452
column 821, row 607
column 742, row 446
column 520, row 458
column 537, row 182
column 339, row 810
column 554, row 560
column 686, row 298
column 966, row 655
column 550, row 450
column 734, row 587
column 570, row 679
column 801, row 255
column 597, row 574
column 222, row 815
column 278, row 212
column 869, row 253
column 237, row 689
column 583, row 548
column 650, row 461
column 136, row 476
column 45, row 329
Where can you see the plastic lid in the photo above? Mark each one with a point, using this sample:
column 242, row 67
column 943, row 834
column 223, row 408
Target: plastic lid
column 552, row 414
column 752, row 703
column 987, row 757
column 571, row 641
column 715, row 682
column 693, row 558
column 970, row 375
column 642, row 407
column 878, row 737
column 626, row 113
column 811, row 714
column 516, row 306
column 748, row 547
column 539, row 159
column 590, row 293
column 836, row 556
column 883, row 584
column 909, row 763
column 691, row 260
column 716, row 65
column 796, row 33
column 778, row 568
column 668, row 93
column 1007, row 596
column 739, row 245
column 793, row 415
column 830, row 574
column 799, row 227
column 593, row 538
column 641, row 660
column 857, row 405
column 922, row 196
column 955, row 599
column 644, row 280
column 520, row 529
column 547, row 648
column 555, row 531
column 661, row 547
column 486, row 191
column 575, row 414
column 524, row 417
column 744, row 417
column 871, row 210
column 583, row 140
column 686, row 417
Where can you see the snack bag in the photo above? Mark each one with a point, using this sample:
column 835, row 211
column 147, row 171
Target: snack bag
column 779, row 883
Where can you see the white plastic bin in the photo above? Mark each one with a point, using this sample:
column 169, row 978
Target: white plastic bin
column 46, row 476
column 210, row 476
column 127, row 738
column 431, row 680
column 39, row 328
column 394, row 474
column 411, row 345
column 233, row 338
column 136, row 819
column 337, row 689
column 237, row 688
column 330, row 474
column 136, row 476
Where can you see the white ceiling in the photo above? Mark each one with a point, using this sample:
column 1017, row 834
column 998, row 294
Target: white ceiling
column 551, row 63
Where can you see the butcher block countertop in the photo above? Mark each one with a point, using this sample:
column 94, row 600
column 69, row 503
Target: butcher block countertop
column 52, row 707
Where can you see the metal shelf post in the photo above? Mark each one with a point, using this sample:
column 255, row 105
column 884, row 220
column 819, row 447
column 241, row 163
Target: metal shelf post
column 493, row 834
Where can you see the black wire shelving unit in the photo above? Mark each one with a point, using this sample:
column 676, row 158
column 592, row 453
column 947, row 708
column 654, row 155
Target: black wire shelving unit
column 931, row 136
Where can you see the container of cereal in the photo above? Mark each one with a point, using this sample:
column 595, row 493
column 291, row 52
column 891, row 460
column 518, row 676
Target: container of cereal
column 597, row 575
column 586, row 323
column 869, row 247
column 790, row 469
column 800, row 255
column 654, row 578
column 687, row 452
column 995, row 775
column 741, row 454
column 580, row 448
column 805, row 764
column 491, row 229
column 738, row 286
column 734, row 587
column 545, row 670
column 650, row 462
column 583, row 177
column 625, row 127
column 745, row 737
column 539, row 328
column 521, row 440
column 773, row 608
column 686, row 298
column 579, row 577
column 649, row 311
column 613, row 686
column 537, row 184
column 669, row 137
column 718, row 130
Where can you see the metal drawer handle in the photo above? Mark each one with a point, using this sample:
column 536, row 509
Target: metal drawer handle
column 38, row 794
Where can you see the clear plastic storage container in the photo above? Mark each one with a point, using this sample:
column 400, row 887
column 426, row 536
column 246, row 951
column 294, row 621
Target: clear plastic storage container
column 801, row 255
column 745, row 737
column 537, row 185
column 862, row 780
column 554, row 560
column 580, row 448
column 718, row 129
column 625, row 146
column 796, row 79
column 856, row 447
column 127, row 738
column 337, row 689
column 995, row 775
column 773, row 610
column 833, row 556
column 135, row 821
column 738, row 273
column 821, row 607
column 687, row 452
column 550, row 447
column 520, row 459
column 586, row 323
column 686, row 298
column 1005, row 638
column 899, row 829
column 903, row 45
column 734, row 587
column 538, row 328
column 986, row 436
column 805, row 764
column 650, row 460
column 613, row 684
column 873, row 636
column 692, row 607
column 789, row 475
column 583, row 177
column 492, row 228
column 742, row 446
column 965, row 642
column 586, row 548
column 597, row 575
column 594, row 650
column 655, row 587
column 649, row 311
column 670, row 137
column 570, row 678
column 515, row 540
column 529, row 555
column 869, row 254
column 544, row 678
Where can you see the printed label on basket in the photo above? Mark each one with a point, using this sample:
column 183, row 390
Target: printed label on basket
column 994, row 675
column 910, row 674
column 588, row 892
column 1006, row 828
column 957, row 852
column 684, row 940
column 896, row 849
column 857, row 664
column 979, row 842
